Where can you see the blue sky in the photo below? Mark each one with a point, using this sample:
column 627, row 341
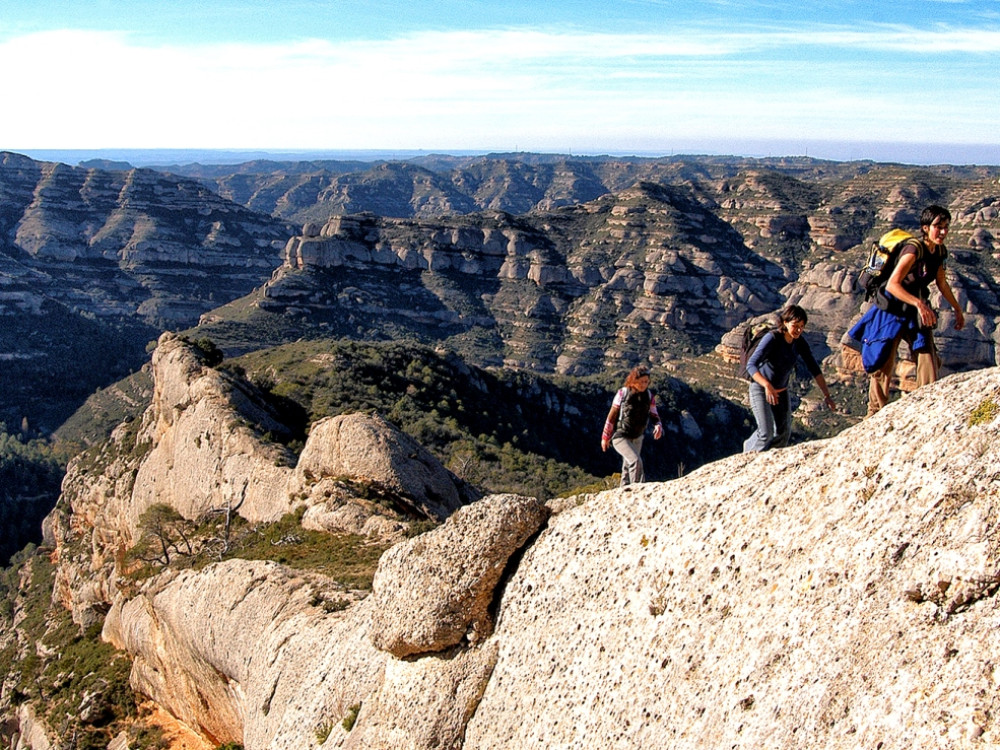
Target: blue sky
column 915, row 81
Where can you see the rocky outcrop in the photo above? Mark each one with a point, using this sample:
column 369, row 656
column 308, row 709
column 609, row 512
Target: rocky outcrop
column 838, row 593
column 201, row 448
column 229, row 653
column 94, row 264
column 654, row 272
column 136, row 228
column 366, row 447
column 584, row 289
column 455, row 572
column 206, row 449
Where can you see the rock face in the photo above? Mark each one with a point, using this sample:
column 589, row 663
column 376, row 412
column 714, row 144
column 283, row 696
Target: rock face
column 584, row 289
column 200, row 448
column 242, row 642
column 453, row 573
column 94, row 264
column 368, row 447
column 135, row 229
column 550, row 263
column 652, row 273
column 832, row 594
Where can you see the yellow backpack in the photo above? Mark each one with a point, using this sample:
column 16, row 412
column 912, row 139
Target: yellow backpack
column 882, row 259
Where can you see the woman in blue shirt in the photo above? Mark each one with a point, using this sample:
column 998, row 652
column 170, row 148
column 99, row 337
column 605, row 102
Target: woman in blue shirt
column 770, row 367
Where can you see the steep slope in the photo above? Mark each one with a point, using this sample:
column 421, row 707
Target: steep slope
column 94, row 264
column 835, row 594
column 210, row 444
column 633, row 277
column 656, row 274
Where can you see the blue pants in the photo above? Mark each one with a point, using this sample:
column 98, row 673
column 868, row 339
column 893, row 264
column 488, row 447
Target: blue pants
column 631, row 453
column 774, row 423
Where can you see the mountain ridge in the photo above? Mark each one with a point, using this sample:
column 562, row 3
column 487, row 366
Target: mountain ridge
column 856, row 583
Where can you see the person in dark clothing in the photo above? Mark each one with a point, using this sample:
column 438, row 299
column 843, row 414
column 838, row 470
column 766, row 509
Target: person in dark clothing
column 633, row 408
column 921, row 263
column 771, row 366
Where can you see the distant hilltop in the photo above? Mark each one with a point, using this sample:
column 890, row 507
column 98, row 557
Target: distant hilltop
column 899, row 153
column 161, row 157
column 557, row 264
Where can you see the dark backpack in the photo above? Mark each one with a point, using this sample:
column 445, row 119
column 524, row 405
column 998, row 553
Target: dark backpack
column 633, row 416
column 752, row 336
column 882, row 259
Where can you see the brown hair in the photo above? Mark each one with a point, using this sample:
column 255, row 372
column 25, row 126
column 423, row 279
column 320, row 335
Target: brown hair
column 632, row 379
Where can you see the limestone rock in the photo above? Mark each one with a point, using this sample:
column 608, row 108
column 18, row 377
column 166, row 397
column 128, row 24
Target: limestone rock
column 204, row 454
column 367, row 447
column 199, row 448
column 33, row 734
column 426, row 702
column 126, row 227
column 434, row 591
column 240, row 651
column 837, row 594
column 832, row 594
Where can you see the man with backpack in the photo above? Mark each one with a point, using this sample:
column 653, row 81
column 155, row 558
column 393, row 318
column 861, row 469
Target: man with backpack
column 904, row 301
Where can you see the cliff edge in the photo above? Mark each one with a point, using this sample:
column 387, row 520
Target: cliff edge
column 836, row 594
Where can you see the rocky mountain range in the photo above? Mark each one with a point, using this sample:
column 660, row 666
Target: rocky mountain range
column 615, row 262
column 516, row 183
column 837, row 593
column 555, row 263
column 655, row 273
column 94, row 264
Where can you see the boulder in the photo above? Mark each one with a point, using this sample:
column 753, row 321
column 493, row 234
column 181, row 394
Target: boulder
column 367, row 447
column 424, row 703
column 434, row 592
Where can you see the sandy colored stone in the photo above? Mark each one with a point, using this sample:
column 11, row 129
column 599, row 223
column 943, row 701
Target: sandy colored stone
column 242, row 652
column 837, row 594
column 834, row 594
column 434, row 591
column 424, row 703
column 367, row 447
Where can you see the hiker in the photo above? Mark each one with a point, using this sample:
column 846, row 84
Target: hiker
column 902, row 309
column 770, row 367
column 633, row 407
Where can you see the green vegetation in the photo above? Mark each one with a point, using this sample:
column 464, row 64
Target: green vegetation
column 66, row 357
column 323, row 731
column 78, row 684
column 167, row 539
column 147, row 737
column 30, row 475
column 984, row 413
column 211, row 353
column 505, row 431
column 352, row 717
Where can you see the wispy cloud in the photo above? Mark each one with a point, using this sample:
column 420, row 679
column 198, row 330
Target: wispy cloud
column 495, row 88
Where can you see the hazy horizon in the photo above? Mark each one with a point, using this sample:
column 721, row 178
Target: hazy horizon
column 892, row 153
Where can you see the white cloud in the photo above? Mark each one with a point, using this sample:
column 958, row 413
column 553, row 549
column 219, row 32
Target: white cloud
column 487, row 89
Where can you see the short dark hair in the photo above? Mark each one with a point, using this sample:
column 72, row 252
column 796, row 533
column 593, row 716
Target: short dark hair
column 932, row 213
column 793, row 312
